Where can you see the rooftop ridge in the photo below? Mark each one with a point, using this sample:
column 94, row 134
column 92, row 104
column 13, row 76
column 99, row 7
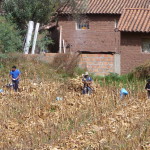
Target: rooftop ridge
column 136, row 9
column 135, row 20
column 107, row 6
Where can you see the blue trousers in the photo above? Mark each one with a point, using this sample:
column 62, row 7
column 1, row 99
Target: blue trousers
column 87, row 90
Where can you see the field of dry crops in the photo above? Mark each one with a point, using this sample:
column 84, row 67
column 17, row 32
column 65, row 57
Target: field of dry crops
column 33, row 119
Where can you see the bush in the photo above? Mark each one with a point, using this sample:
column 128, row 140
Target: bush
column 112, row 77
column 142, row 72
column 43, row 41
column 10, row 39
column 66, row 63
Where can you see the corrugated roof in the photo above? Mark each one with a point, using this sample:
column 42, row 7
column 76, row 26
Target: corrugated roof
column 105, row 6
column 135, row 20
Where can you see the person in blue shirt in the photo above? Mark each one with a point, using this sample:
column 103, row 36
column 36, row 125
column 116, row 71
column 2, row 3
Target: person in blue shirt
column 87, row 81
column 123, row 93
column 15, row 76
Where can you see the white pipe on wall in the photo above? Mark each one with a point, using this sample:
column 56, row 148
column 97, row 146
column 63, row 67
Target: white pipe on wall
column 29, row 37
column 60, row 40
column 35, row 38
column 64, row 46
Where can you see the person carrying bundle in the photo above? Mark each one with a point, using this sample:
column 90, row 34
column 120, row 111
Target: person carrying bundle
column 147, row 87
column 15, row 76
column 87, row 81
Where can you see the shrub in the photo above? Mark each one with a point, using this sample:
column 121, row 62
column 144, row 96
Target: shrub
column 10, row 39
column 142, row 72
column 66, row 63
column 43, row 41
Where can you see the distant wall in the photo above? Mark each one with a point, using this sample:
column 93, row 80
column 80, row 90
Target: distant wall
column 99, row 64
column 100, row 37
column 131, row 51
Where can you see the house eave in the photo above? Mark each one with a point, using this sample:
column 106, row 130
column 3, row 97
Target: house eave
column 134, row 31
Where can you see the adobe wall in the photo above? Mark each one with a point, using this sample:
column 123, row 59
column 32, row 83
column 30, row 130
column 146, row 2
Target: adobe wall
column 131, row 51
column 99, row 64
column 101, row 36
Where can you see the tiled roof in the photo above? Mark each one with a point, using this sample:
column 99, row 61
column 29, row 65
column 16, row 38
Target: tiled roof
column 135, row 20
column 106, row 6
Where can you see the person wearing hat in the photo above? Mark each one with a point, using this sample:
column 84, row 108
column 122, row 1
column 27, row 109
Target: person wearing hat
column 87, row 81
column 147, row 87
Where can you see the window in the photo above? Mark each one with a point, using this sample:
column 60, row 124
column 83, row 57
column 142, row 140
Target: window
column 82, row 25
column 116, row 23
column 146, row 45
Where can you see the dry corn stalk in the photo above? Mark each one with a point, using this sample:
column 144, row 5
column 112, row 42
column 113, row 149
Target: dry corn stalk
column 33, row 119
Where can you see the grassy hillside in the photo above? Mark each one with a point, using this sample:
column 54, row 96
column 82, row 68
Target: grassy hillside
column 33, row 119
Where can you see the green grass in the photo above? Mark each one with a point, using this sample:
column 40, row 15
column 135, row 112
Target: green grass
column 115, row 79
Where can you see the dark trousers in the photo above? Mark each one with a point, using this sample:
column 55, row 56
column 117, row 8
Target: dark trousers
column 15, row 85
column 87, row 90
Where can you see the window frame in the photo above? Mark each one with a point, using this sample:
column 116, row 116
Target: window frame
column 76, row 25
column 145, row 52
column 116, row 21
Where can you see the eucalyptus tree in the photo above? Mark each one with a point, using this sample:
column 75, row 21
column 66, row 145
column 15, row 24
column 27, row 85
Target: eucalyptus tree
column 42, row 11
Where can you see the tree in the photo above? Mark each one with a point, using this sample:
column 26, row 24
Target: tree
column 22, row 11
column 42, row 11
column 10, row 39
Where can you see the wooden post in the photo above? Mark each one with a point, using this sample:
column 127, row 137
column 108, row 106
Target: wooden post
column 35, row 38
column 60, row 40
column 29, row 37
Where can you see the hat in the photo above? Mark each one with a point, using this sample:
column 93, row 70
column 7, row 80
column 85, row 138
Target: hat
column 86, row 74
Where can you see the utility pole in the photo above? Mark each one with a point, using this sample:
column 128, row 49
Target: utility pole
column 35, row 38
column 29, row 37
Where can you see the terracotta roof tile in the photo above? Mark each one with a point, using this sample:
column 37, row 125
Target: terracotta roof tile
column 135, row 20
column 106, row 6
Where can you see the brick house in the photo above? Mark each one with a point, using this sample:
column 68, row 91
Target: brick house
column 110, row 35
column 134, row 26
column 106, row 45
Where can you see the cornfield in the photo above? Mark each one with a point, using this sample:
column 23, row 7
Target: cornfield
column 49, row 113
column 34, row 119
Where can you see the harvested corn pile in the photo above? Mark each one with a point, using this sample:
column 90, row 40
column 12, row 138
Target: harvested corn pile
column 76, row 84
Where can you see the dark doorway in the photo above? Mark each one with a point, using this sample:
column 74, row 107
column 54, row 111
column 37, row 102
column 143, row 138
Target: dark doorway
column 54, row 33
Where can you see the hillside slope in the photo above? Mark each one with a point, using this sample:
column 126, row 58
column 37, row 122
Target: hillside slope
column 34, row 119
